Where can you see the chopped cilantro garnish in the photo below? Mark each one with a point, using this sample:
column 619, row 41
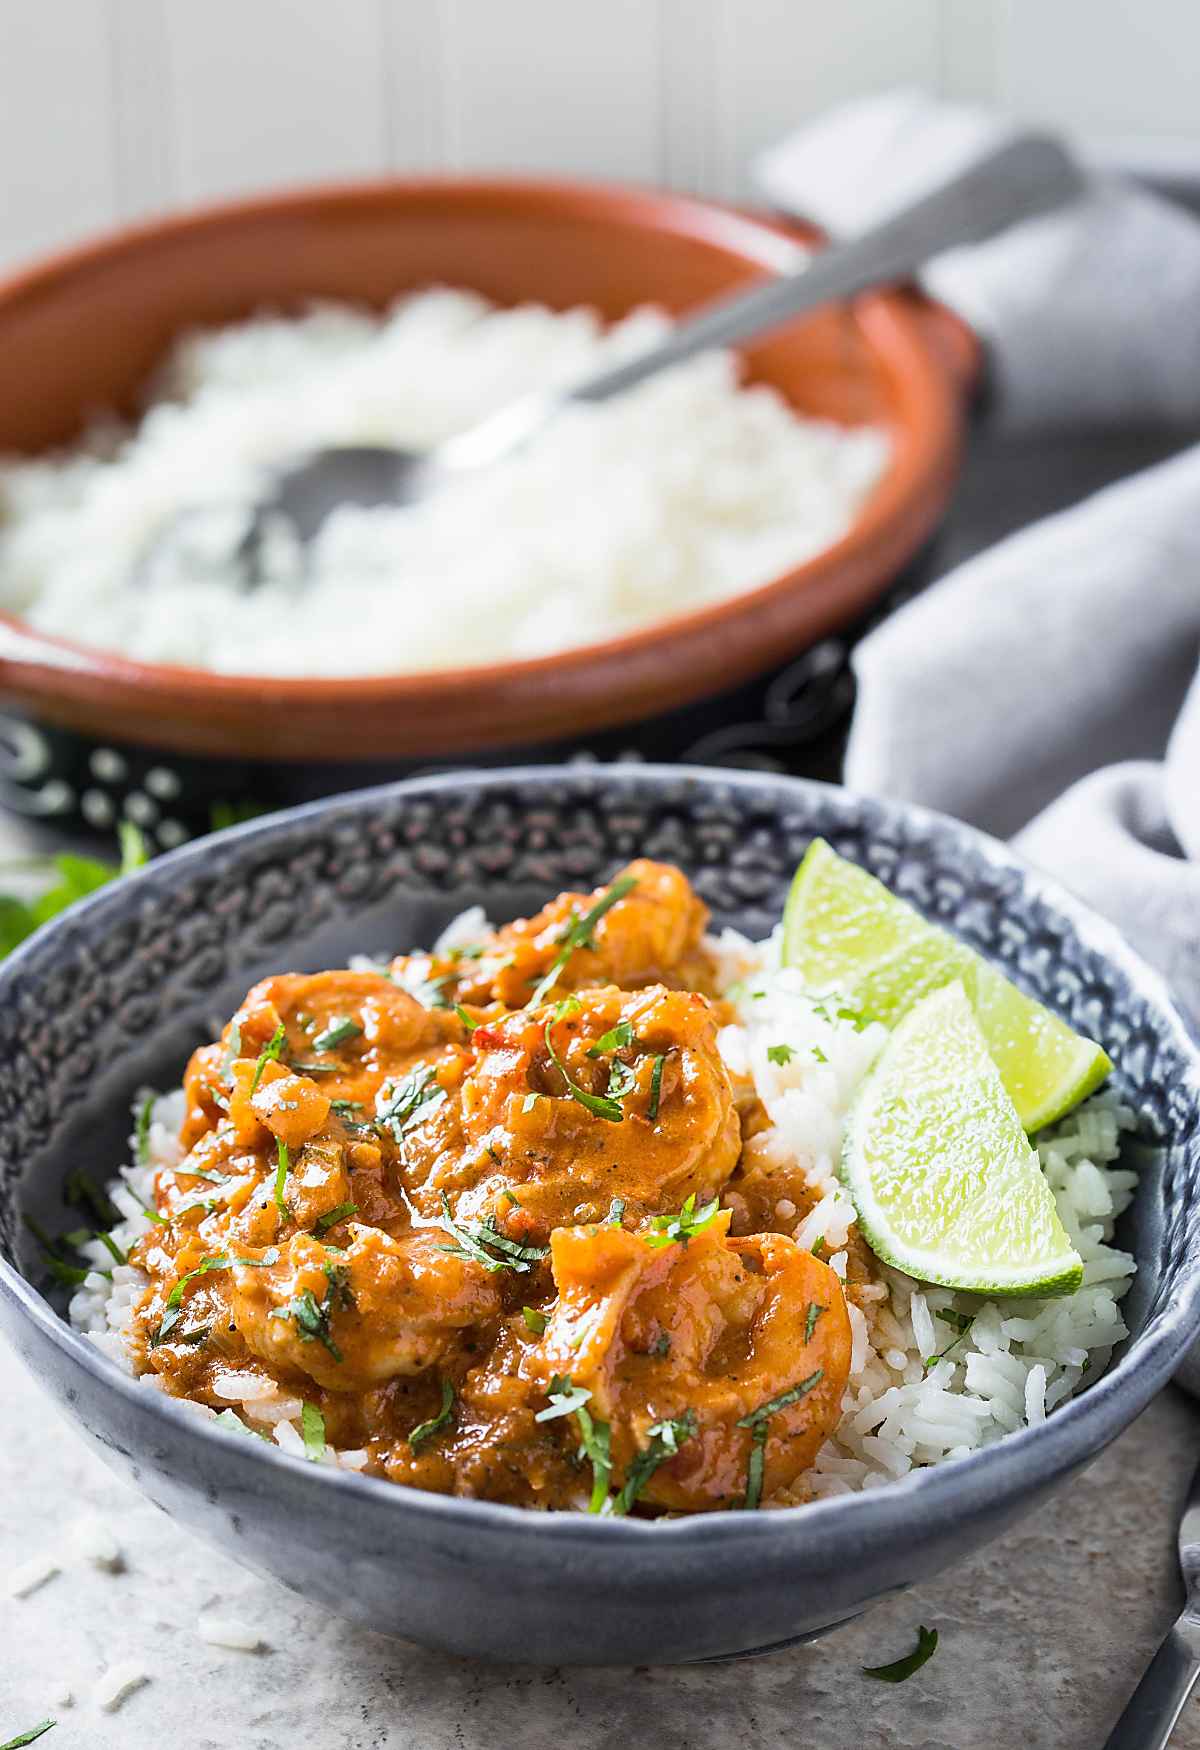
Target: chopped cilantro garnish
column 666, row 1437
column 927, row 1640
column 281, row 1172
column 398, row 1103
column 311, row 1318
column 758, row 1419
column 323, row 1223
column 268, row 1054
column 662, row 1344
column 426, row 1430
column 150, row 1213
column 529, row 1102
column 618, row 1038
column 485, row 1244
column 621, row 1080
column 82, row 1192
column 819, row 1054
column 600, row 1105
column 313, row 1069
column 782, row 1402
column 145, row 1118
column 780, row 1054
column 312, row 1427
column 466, row 1020
column 595, row 1444
column 810, row 1322
column 595, row 1437
column 112, row 1248
column 655, row 1088
column 535, row 1321
column 578, row 934
column 565, row 1398
column 221, row 1261
column 755, row 1467
column 429, row 992
column 233, row 1050
column 818, row 1246
column 960, row 1322
column 666, row 1229
column 341, row 1028
column 66, row 1275
column 29, row 1737
column 233, row 1422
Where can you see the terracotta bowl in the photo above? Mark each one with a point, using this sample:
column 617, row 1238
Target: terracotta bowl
column 84, row 330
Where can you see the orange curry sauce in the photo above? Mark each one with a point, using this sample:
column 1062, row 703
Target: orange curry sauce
column 498, row 1215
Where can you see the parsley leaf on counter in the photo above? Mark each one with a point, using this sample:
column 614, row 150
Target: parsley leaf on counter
column 28, row 1737
column 927, row 1640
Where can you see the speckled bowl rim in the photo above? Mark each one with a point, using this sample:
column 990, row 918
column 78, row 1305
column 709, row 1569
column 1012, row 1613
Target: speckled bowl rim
column 921, row 1502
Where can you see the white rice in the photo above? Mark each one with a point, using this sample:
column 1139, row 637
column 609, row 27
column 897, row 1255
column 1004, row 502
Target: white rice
column 684, row 491
column 1018, row 1360
column 118, row 1683
column 220, row 1630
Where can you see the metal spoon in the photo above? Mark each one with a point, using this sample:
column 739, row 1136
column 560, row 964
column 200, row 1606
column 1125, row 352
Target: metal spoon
column 1019, row 180
column 1157, row 1702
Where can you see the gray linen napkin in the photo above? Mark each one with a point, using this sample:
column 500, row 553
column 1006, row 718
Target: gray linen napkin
column 1048, row 688
column 1092, row 314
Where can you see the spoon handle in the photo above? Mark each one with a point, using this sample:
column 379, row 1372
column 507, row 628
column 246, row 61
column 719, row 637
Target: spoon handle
column 1027, row 176
column 1157, row 1702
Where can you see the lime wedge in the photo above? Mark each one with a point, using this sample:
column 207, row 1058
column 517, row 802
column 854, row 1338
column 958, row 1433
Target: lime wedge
column 939, row 1167
column 843, row 930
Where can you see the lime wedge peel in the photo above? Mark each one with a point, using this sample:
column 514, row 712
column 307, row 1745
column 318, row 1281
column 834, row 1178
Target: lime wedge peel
column 940, row 1170
column 843, row 930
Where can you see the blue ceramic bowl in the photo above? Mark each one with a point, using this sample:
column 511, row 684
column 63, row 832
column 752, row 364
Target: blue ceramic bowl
column 117, row 993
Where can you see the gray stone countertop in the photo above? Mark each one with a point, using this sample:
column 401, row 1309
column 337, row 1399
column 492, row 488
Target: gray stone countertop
column 1043, row 1636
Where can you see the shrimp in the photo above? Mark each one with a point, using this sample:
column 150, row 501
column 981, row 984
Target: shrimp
column 706, row 1357
column 611, row 1095
column 352, row 1319
column 650, row 935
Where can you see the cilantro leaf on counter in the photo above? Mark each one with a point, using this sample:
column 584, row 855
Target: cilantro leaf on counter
column 901, row 1669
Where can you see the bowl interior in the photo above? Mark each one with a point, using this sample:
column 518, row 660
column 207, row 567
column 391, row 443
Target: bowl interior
column 115, row 996
column 554, row 244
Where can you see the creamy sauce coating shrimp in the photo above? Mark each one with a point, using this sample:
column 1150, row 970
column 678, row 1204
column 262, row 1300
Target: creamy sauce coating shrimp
column 468, row 1209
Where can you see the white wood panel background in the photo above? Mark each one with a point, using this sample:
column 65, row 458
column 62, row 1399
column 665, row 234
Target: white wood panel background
column 113, row 109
